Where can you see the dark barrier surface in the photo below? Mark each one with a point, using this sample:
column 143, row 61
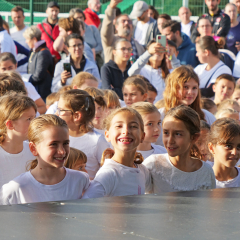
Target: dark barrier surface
column 186, row 215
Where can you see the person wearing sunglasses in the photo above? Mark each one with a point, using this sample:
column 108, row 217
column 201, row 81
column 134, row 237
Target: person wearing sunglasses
column 114, row 72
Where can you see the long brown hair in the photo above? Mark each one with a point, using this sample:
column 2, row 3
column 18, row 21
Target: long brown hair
column 175, row 82
column 192, row 122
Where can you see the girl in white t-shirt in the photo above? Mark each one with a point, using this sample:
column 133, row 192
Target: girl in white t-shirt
column 8, row 65
column 181, row 168
column 77, row 108
column 16, row 113
column 211, row 67
column 224, row 144
column 152, row 128
column 49, row 181
column 122, row 174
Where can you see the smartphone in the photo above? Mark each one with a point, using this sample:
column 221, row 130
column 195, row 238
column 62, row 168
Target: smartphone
column 162, row 40
column 67, row 67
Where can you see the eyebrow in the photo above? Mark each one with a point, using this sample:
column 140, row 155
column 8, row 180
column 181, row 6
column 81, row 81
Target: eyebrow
column 174, row 130
column 122, row 122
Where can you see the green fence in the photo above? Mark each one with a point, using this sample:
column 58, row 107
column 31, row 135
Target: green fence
column 163, row 6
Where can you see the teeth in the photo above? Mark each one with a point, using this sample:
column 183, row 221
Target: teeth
column 126, row 140
column 59, row 158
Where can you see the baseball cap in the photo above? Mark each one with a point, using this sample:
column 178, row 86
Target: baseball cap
column 139, row 8
column 53, row 4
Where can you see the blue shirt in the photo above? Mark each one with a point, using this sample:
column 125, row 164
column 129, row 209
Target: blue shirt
column 233, row 37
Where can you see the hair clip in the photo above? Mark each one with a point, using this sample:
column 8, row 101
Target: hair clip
column 87, row 103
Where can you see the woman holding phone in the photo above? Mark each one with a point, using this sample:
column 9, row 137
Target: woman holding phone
column 153, row 64
column 75, row 63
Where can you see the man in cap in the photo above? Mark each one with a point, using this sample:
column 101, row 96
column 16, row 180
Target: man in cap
column 124, row 29
column 50, row 29
column 145, row 27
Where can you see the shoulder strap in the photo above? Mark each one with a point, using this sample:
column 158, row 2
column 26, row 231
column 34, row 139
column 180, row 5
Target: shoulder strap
column 47, row 32
column 212, row 75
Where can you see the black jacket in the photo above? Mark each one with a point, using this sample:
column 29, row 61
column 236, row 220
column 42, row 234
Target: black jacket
column 40, row 65
column 113, row 78
column 219, row 20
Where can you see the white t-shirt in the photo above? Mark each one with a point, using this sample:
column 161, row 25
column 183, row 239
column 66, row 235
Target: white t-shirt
column 215, row 72
column 12, row 165
column 26, row 189
column 236, row 69
column 186, row 28
column 209, row 117
column 230, row 183
column 115, row 179
column 32, row 92
column 167, row 178
column 93, row 145
column 156, row 149
column 141, row 32
column 53, row 108
column 7, row 44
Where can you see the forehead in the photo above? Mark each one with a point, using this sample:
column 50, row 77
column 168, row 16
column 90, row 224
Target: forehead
column 124, row 17
column 154, row 116
column 74, row 41
column 130, row 88
column 55, row 133
column 191, row 82
column 204, row 21
column 126, row 117
column 225, row 82
column 18, row 13
column 53, row 9
column 7, row 63
column 183, row 10
column 125, row 44
column 172, row 123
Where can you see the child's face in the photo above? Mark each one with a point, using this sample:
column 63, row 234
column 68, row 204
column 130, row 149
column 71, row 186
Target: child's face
column 99, row 116
column 89, row 83
column 125, row 133
column 152, row 127
column 176, row 137
column 53, row 150
column 151, row 96
column 189, row 92
column 223, row 89
column 7, row 66
column 227, row 154
column 202, row 144
column 131, row 94
column 80, row 166
column 236, row 96
column 20, row 126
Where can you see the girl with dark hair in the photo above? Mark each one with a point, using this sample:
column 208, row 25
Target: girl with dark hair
column 153, row 66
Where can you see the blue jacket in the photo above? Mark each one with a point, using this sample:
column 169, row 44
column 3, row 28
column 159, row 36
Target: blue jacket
column 187, row 52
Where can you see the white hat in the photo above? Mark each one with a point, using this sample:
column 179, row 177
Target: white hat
column 139, row 8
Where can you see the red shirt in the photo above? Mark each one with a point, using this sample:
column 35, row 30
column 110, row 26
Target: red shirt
column 91, row 17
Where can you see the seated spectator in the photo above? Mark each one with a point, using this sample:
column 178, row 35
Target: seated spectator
column 152, row 12
column 152, row 65
column 124, row 29
column 115, row 72
column 219, row 20
column 91, row 13
column 75, row 47
column 40, row 63
column 236, row 94
column 187, row 25
column 16, row 32
column 6, row 42
column 91, row 35
column 151, row 93
column 68, row 26
column 50, row 30
column 233, row 37
column 187, row 51
column 237, row 3
column 145, row 27
column 162, row 18
column 211, row 67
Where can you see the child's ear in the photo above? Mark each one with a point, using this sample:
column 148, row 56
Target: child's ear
column 211, row 148
column 214, row 87
column 107, row 136
column 143, row 136
column 145, row 95
column 33, row 149
column 77, row 116
column 195, row 137
column 9, row 124
column 74, row 87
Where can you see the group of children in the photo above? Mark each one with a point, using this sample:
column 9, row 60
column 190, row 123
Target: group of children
column 91, row 144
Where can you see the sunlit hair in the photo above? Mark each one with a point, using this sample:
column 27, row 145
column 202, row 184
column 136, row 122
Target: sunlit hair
column 207, row 103
column 175, row 83
column 139, row 83
column 223, row 111
column 12, row 85
column 111, row 99
column 223, row 131
column 36, row 128
column 159, row 104
column 204, row 125
column 81, row 77
column 52, row 98
column 74, row 157
column 79, row 100
column 108, row 153
column 144, row 108
column 12, row 107
column 69, row 24
column 191, row 120
column 98, row 96
column 225, row 77
column 225, row 103
column 7, row 56
column 208, row 43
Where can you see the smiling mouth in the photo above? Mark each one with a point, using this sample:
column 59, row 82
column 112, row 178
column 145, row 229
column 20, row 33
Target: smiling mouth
column 125, row 140
column 60, row 159
column 172, row 148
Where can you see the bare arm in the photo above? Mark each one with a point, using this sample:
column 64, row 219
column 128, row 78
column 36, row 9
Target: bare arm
column 58, row 44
